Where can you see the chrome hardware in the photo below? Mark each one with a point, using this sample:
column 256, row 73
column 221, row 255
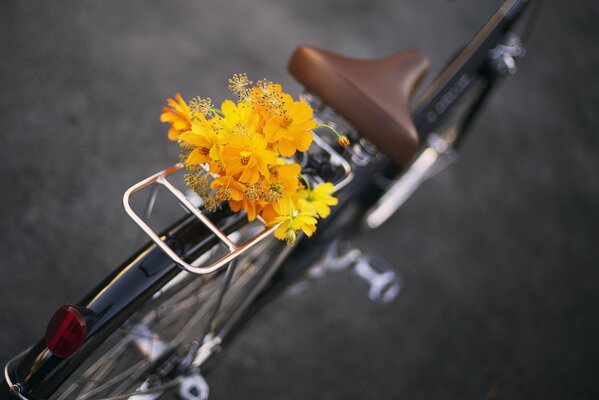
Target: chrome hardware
column 503, row 56
column 193, row 387
column 235, row 249
column 363, row 152
column 338, row 257
column 16, row 389
column 211, row 344
column 145, row 396
column 382, row 283
column 148, row 342
column 433, row 159
column 370, row 273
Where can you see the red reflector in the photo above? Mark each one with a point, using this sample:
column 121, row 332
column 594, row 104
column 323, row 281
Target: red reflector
column 66, row 331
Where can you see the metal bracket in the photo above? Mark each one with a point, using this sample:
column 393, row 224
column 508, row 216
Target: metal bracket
column 370, row 273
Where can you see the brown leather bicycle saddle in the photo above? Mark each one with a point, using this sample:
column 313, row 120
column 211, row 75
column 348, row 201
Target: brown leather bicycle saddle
column 373, row 95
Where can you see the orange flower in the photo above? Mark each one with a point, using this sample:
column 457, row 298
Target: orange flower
column 268, row 100
column 178, row 115
column 205, row 140
column 246, row 145
column 228, row 188
column 291, row 131
column 246, row 158
column 239, row 119
column 227, row 184
column 252, row 203
column 282, row 182
column 251, row 208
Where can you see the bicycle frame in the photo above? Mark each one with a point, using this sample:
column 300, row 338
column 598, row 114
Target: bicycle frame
column 37, row 373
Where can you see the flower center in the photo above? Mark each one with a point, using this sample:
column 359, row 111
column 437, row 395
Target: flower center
column 245, row 160
column 287, row 121
column 204, row 150
column 223, row 194
column 251, row 193
column 274, row 193
column 241, row 129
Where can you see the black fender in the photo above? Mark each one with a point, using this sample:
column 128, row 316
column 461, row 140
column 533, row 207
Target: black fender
column 39, row 373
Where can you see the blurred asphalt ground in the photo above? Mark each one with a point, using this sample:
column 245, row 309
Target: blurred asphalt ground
column 499, row 253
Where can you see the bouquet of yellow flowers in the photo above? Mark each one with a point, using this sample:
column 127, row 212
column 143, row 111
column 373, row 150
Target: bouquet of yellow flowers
column 246, row 146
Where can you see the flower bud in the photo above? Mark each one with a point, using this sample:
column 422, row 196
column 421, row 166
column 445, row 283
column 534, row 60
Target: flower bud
column 290, row 236
column 343, row 141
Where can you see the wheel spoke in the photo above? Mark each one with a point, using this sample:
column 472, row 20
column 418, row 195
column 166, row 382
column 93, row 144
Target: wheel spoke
column 180, row 313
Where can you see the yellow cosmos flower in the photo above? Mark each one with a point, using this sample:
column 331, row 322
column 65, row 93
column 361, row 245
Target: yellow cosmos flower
column 246, row 158
column 227, row 188
column 239, row 119
column 291, row 131
column 204, row 139
column 282, row 182
column 178, row 115
column 246, row 146
column 268, row 99
column 292, row 220
column 251, row 208
column 318, row 200
column 269, row 214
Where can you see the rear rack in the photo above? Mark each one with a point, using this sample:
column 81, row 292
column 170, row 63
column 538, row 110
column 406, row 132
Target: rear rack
column 234, row 249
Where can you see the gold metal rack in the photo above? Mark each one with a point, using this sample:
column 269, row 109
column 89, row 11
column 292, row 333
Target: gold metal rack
column 234, row 249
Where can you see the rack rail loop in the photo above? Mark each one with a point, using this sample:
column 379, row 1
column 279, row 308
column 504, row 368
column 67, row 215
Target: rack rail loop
column 235, row 249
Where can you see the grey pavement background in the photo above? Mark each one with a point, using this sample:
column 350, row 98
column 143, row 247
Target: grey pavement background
column 499, row 253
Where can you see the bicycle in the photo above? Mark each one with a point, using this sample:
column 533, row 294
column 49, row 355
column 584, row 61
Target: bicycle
column 124, row 312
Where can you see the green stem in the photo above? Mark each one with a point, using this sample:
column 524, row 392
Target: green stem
column 305, row 181
column 216, row 111
column 329, row 127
